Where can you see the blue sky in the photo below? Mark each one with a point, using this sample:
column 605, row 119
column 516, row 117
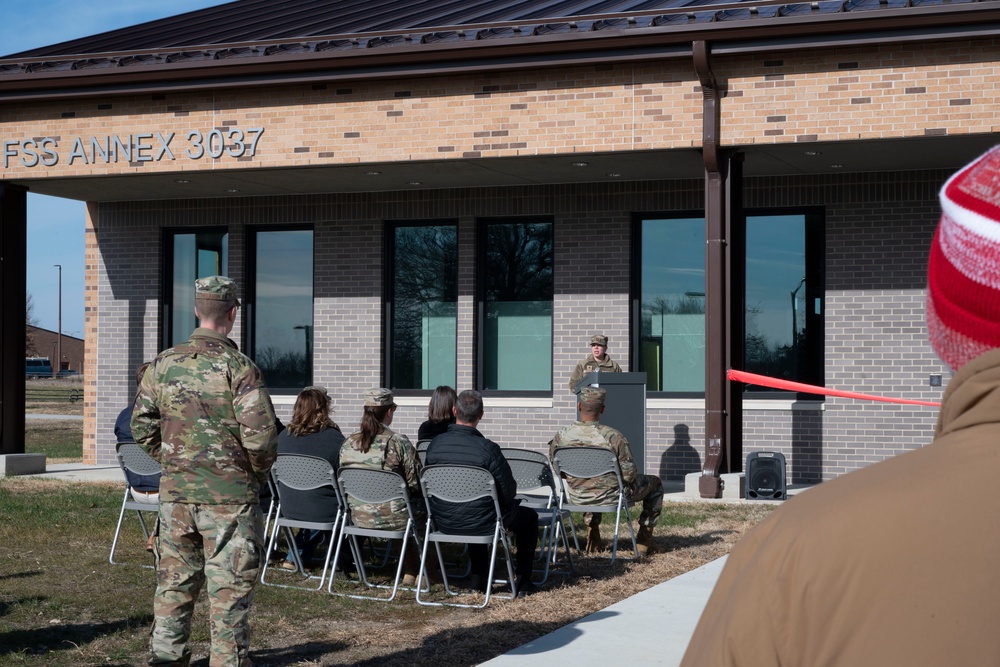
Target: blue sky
column 56, row 226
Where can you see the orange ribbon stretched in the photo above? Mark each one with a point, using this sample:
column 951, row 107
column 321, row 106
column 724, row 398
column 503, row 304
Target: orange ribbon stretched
column 753, row 378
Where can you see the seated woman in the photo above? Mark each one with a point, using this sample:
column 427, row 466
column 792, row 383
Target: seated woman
column 311, row 432
column 440, row 413
column 377, row 446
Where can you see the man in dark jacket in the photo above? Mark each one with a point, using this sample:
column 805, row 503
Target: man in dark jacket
column 463, row 444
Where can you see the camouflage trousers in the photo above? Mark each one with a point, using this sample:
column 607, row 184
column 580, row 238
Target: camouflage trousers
column 648, row 489
column 220, row 545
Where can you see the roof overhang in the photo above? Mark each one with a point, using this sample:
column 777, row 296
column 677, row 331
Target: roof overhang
column 408, row 53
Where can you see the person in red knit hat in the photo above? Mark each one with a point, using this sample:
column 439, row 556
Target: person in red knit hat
column 894, row 564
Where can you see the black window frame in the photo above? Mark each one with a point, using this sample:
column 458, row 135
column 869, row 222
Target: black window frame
column 480, row 328
column 248, row 311
column 389, row 295
column 167, row 235
column 815, row 241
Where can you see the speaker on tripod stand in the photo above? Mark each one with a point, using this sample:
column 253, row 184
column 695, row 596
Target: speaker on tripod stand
column 765, row 476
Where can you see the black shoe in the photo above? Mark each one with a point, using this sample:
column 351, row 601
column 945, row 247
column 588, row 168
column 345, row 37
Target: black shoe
column 476, row 583
column 525, row 587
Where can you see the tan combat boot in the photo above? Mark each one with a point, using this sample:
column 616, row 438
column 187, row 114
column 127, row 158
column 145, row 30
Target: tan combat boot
column 644, row 542
column 594, row 541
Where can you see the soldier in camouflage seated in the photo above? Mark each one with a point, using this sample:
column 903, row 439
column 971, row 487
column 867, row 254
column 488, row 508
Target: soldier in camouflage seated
column 378, row 446
column 590, row 432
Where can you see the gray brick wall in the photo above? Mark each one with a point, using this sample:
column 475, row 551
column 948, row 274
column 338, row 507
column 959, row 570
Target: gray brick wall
column 877, row 230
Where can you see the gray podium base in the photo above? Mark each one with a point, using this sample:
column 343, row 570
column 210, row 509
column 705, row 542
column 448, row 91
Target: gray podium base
column 12, row 465
column 734, row 485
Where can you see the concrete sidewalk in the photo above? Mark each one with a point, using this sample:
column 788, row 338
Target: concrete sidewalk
column 667, row 612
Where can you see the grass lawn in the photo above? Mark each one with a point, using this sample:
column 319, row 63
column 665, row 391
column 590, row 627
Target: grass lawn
column 61, row 440
column 63, row 604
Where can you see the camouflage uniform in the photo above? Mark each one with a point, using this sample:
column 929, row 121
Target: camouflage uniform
column 203, row 411
column 591, row 364
column 604, row 489
column 389, row 451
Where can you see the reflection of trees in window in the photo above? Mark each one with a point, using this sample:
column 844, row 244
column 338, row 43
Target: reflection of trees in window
column 517, row 289
column 519, row 262
column 425, row 293
column 660, row 306
column 281, row 369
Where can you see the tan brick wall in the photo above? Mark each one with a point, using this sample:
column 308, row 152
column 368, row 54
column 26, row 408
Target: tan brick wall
column 536, row 113
column 90, row 314
column 862, row 93
column 823, row 95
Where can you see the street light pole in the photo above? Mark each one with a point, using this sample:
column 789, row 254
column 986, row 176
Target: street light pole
column 58, row 365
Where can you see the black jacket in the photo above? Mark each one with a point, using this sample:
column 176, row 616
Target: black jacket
column 318, row 505
column 464, row 445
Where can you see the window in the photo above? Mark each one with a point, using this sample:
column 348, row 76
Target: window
column 783, row 286
column 422, row 305
column 515, row 305
column 279, row 311
column 190, row 255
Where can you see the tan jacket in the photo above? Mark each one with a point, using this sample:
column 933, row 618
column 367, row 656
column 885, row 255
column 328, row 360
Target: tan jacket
column 894, row 564
column 607, row 365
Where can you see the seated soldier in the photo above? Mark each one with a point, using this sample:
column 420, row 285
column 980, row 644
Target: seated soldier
column 378, row 446
column 590, row 432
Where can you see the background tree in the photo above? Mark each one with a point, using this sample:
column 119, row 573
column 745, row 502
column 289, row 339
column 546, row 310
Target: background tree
column 30, row 349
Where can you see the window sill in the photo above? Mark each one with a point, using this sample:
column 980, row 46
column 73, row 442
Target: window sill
column 756, row 405
column 488, row 401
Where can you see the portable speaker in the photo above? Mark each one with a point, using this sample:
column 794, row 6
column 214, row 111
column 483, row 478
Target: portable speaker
column 765, row 476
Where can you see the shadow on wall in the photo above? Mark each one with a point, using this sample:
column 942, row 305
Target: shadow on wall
column 680, row 458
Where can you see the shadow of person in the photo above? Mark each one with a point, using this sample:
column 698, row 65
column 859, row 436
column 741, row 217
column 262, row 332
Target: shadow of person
column 680, row 458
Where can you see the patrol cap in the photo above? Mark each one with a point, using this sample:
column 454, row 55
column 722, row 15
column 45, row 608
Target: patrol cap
column 216, row 288
column 315, row 387
column 375, row 398
column 598, row 339
column 593, row 395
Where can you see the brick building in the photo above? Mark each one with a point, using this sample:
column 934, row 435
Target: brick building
column 464, row 198
column 47, row 344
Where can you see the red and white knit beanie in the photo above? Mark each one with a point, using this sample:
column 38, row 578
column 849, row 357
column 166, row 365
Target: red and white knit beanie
column 963, row 271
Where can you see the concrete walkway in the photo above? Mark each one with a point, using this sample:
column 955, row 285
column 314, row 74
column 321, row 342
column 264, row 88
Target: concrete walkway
column 651, row 628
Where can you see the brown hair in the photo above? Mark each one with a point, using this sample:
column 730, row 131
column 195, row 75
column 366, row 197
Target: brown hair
column 371, row 424
column 213, row 310
column 440, row 408
column 139, row 372
column 311, row 413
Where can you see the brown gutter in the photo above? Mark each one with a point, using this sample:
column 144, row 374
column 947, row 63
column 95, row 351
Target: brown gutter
column 716, row 275
column 749, row 35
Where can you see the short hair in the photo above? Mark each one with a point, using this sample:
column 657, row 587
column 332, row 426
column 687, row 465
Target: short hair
column 469, row 406
column 213, row 310
column 139, row 372
column 442, row 401
column 590, row 405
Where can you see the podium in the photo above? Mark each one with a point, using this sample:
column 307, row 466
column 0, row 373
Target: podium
column 624, row 408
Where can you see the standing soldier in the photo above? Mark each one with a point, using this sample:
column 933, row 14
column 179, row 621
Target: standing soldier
column 203, row 411
column 597, row 360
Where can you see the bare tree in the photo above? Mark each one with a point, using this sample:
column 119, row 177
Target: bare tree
column 30, row 349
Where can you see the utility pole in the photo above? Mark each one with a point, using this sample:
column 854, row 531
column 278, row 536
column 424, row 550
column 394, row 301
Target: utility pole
column 58, row 365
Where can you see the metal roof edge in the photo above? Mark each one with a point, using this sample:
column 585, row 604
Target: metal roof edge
column 934, row 23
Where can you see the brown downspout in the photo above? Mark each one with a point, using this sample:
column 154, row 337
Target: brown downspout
column 716, row 276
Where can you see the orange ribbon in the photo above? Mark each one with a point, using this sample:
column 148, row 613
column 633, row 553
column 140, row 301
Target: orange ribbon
column 753, row 378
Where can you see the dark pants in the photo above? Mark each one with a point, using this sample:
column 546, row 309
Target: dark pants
column 524, row 525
